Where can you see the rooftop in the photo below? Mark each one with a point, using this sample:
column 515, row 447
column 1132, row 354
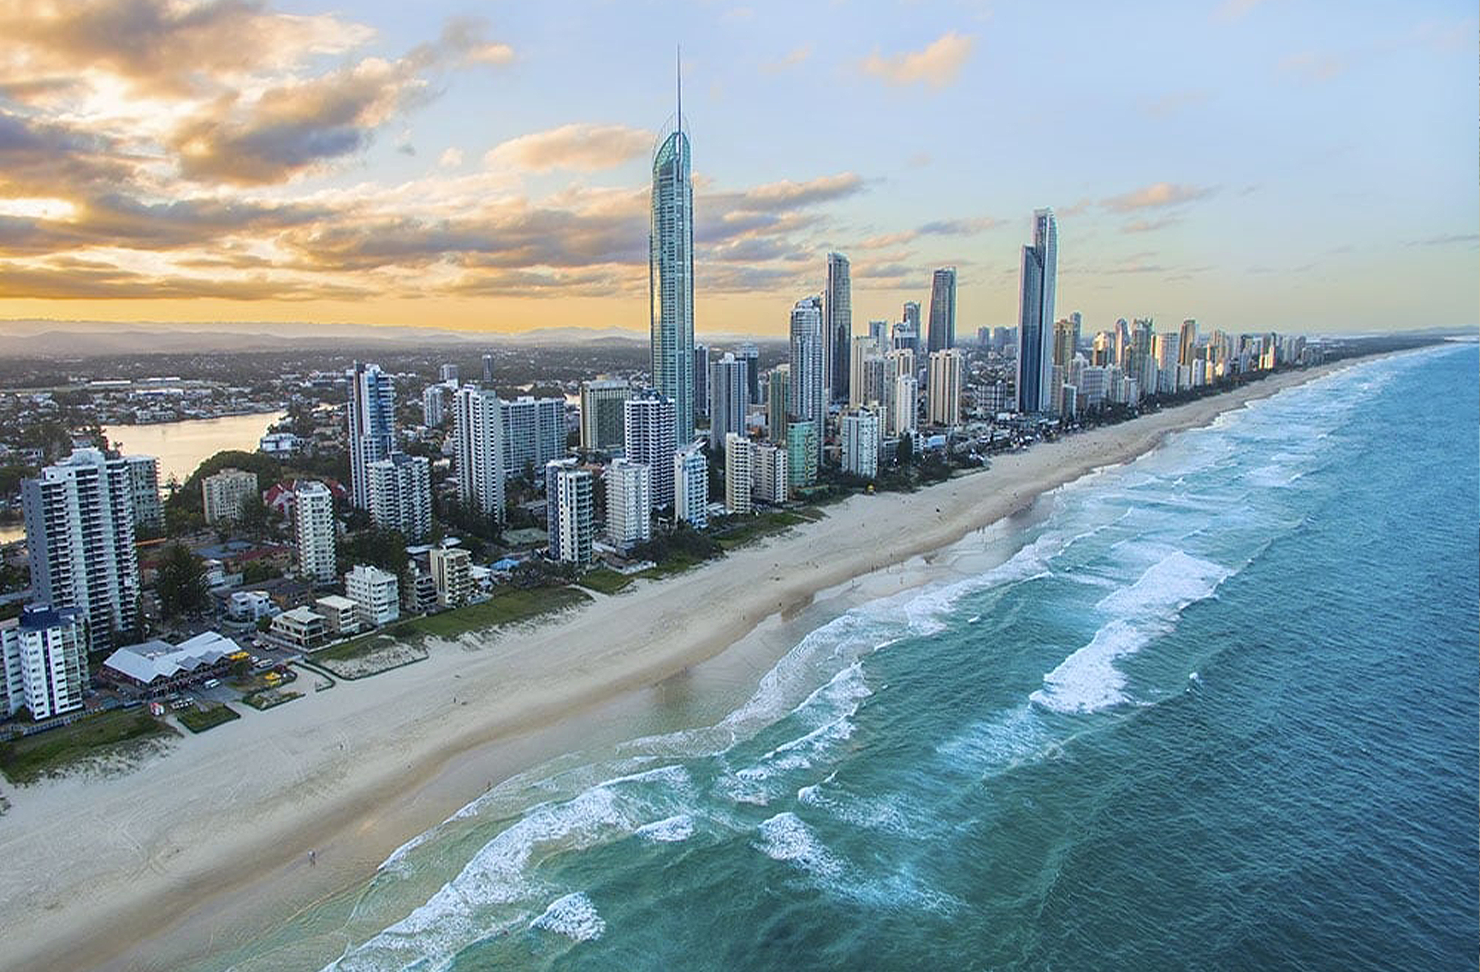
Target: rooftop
column 155, row 659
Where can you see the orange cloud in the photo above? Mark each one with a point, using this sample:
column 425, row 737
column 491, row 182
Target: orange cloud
column 1156, row 195
column 584, row 147
column 937, row 65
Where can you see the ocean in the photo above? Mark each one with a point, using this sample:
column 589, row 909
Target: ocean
column 1215, row 708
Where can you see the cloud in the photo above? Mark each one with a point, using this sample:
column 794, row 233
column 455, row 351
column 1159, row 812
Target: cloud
column 463, row 40
column 583, row 147
column 45, row 157
column 937, row 65
column 788, row 193
column 959, row 227
column 450, row 158
column 165, row 47
column 118, row 220
column 1174, row 103
column 1232, row 10
column 228, row 91
column 1312, row 67
column 1074, row 209
column 1156, row 195
column 89, row 280
column 1446, row 239
column 1149, row 225
column 293, row 127
column 796, row 56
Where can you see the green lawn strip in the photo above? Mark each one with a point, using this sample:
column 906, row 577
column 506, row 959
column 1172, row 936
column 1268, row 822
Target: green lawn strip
column 506, row 607
column 606, row 581
column 363, row 645
column 29, row 758
column 199, row 720
column 764, row 525
column 675, row 564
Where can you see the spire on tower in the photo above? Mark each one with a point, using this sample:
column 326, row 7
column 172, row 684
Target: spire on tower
column 679, row 65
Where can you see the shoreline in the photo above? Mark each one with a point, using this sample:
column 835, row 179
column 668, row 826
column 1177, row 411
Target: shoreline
column 208, row 836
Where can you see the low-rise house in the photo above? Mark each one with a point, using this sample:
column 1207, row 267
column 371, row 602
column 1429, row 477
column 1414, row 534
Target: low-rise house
column 301, row 627
column 250, row 606
column 341, row 615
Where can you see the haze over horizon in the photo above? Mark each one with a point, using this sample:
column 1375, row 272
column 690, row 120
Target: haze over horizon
column 1256, row 165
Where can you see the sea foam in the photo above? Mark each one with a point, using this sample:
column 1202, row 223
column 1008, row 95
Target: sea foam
column 573, row 916
column 785, row 837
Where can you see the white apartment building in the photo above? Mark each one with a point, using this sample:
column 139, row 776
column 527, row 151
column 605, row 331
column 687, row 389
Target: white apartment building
column 43, row 661
column 769, row 475
column 376, row 594
column 739, row 473
column 80, row 538
column 452, row 573
column 144, row 477
column 629, row 487
column 434, row 404
column 224, row 493
column 946, row 370
column 691, row 488
column 905, row 405
column 313, row 522
column 478, row 438
column 533, row 433
column 571, row 522
column 401, row 495
column 649, row 432
column 860, row 432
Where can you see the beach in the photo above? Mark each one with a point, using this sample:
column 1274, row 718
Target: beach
column 159, row 866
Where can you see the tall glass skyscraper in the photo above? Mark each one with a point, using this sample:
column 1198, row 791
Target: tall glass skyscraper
column 1035, row 321
column 943, row 309
column 671, row 278
column 837, row 334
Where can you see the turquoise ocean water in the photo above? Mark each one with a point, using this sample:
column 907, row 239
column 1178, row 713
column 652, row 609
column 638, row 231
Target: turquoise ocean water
column 1217, row 709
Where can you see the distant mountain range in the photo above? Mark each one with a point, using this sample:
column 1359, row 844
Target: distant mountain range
column 74, row 339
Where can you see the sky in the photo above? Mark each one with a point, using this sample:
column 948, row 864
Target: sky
column 1254, row 164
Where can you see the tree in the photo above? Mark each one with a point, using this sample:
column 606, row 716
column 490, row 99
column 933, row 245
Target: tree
column 904, row 453
column 257, row 571
column 180, row 583
column 254, row 518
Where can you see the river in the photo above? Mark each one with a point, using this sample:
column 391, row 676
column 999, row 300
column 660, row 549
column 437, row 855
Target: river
column 179, row 446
